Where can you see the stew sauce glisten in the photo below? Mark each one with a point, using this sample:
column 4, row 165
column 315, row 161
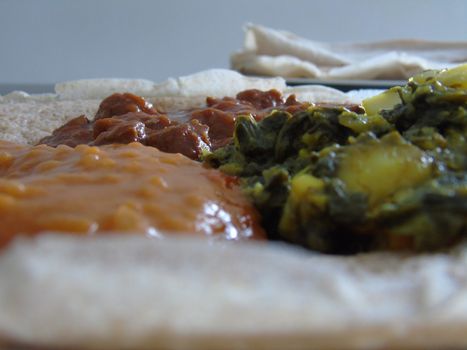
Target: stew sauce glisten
column 125, row 118
column 125, row 188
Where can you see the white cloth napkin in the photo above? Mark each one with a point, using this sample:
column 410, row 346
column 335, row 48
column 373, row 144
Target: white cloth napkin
column 273, row 52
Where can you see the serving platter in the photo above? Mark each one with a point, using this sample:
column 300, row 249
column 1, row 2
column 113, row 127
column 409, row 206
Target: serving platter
column 346, row 85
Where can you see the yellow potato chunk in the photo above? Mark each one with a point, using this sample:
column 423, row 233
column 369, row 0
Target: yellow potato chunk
column 307, row 198
column 380, row 168
column 455, row 77
column 385, row 100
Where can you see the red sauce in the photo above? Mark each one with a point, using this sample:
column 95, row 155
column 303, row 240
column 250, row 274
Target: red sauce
column 125, row 118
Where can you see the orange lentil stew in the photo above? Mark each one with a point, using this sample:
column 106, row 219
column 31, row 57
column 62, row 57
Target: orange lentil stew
column 132, row 188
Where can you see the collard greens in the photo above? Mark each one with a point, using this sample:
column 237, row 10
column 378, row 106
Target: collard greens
column 339, row 181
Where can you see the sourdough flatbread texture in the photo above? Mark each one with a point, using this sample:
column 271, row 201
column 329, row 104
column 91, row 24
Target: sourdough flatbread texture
column 120, row 291
column 274, row 52
column 212, row 82
column 131, row 292
column 28, row 118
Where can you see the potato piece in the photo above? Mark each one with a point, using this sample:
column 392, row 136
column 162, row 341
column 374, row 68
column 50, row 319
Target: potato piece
column 385, row 100
column 455, row 77
column 425, row 77
column 307, row 199
column 379, row 168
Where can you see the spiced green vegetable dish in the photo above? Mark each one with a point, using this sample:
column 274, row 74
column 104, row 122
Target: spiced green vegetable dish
column 339, row 180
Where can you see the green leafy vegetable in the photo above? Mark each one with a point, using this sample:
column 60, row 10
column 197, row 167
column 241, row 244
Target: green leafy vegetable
column 337, row 181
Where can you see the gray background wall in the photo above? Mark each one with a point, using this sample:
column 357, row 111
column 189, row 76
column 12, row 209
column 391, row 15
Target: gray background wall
column 45, row 41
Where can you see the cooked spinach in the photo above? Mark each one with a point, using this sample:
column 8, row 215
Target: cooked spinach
column 337, row 181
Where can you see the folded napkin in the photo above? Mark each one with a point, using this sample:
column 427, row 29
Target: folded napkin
column 279, row 53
